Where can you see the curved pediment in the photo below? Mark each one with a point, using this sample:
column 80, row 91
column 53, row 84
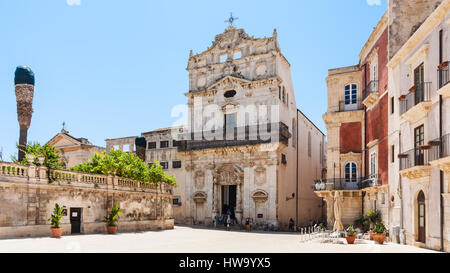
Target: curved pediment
column 229, row 82
column 260, row 196
column 228, row 174
column 200, row 197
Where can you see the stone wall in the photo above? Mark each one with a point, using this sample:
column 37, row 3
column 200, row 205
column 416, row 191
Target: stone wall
column 405, row 17
column 27, row 199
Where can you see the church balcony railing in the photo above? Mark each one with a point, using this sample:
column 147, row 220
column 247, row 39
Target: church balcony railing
column 417, row 94
column 372, row 87
column 345, row 106
column 245, row 135
column 352, row 183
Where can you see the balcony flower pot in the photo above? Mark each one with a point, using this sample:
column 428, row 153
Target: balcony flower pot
column 379, row 233
column 41, row 160
column 379, row 237
column 350, row 235
column 350, row 239
column 56, row 232
column 371, row 235
column 111, row 229
column 30, row 158
column 443, row 65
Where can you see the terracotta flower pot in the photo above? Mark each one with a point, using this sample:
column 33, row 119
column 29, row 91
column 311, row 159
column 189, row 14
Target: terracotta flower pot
column 111, row 229
column 56, row 232
column 350, row 239
column 379, row 237
column 371, row 235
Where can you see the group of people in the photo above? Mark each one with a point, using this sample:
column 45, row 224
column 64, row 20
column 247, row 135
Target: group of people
column 228, row 219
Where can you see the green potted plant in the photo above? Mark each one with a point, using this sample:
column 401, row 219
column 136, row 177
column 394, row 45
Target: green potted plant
column 111, row 219
column 373, row 216
column 379, row 233
column 56, row 221
column 350, row 234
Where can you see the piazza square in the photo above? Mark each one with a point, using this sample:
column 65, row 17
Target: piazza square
column 137, row 133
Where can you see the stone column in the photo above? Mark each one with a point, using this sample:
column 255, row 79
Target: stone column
column 238, row 203
column 330, row 210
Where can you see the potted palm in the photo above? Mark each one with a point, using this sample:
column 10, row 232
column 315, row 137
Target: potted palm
column 56, row 221
column 379, row 233
column 350, row 235
column 111, row 219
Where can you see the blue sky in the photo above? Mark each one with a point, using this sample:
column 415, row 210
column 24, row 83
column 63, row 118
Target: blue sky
column 115, row 68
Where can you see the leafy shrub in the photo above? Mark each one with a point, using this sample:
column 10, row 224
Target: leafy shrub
column 379, row 228
column 363, row 223
column 52, row 156
column 351, row 231
column 56, row 216
column 111, row 219
column 126, row 165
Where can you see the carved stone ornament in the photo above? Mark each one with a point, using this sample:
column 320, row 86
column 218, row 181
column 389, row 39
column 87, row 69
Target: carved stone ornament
column 229, row 174
column 260, row 196
column 199, row 197
column 199, row 179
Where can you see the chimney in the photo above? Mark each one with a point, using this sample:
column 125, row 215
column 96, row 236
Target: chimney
column 405, row 17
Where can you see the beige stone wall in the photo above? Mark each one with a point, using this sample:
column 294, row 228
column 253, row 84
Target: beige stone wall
column 420, row 48
column 404, row 18
column 27, row 200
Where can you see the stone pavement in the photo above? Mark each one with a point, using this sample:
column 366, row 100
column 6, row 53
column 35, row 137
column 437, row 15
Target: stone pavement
column 195, row 240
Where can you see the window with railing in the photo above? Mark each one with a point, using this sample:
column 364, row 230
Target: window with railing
column 439, row 148
column 443, row 75
column 417, row 94
column 372, row 87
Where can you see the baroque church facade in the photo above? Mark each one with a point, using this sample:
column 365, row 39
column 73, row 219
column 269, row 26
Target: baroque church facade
column 264, row 153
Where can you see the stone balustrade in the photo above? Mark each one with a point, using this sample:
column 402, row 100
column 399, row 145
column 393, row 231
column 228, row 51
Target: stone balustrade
column 11, row 169
column 62, row 176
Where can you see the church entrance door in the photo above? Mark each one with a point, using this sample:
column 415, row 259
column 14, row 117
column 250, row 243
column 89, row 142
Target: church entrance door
column 229, row 199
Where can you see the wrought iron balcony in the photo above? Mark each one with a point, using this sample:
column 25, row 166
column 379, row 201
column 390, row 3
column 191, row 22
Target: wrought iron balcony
column 371, row 88
column 414, row 157
column 417, row 94
column 443, row 75
column 439, row 148
column 345, row 106
column 354, row 183
column 246, row 135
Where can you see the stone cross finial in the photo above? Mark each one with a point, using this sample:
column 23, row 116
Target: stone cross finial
column 231, row 19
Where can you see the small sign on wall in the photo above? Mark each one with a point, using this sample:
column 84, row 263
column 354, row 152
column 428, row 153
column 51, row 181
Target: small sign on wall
column 260, row 215
column 64, row 211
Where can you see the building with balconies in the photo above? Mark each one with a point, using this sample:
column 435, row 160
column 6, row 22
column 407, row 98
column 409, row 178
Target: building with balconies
column 356, row 121
column 419, row 127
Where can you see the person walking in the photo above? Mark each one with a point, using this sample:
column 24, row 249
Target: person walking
column 247, row 224
column 291, row 224
column 228, row 223
column 215, row 221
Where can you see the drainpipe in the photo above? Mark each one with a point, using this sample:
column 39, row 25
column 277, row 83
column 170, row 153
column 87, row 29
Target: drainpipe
column 363, row 167
column 296, row 170
column 441, row 176
column 402, row 239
